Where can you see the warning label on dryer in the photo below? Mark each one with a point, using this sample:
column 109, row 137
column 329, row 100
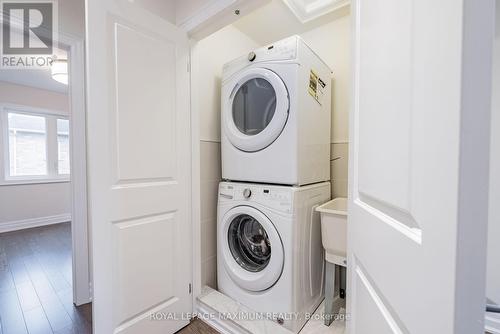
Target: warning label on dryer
column 316, row 87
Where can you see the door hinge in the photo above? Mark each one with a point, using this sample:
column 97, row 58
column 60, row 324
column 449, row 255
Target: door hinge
column 91, row 290
column 190, row 288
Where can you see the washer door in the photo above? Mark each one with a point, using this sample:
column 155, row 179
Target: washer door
column 256, row 110
column 251, row 248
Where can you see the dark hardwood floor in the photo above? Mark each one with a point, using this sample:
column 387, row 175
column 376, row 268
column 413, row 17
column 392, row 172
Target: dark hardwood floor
column 36, row 283
column 197, row 327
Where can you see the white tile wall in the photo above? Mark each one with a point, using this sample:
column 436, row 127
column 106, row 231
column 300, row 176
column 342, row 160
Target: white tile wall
column 210, row 176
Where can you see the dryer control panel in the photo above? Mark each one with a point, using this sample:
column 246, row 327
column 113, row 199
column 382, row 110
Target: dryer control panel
column 274, row 197
column 284, row 50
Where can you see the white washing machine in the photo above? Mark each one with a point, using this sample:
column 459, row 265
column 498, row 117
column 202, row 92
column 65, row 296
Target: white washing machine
column 276, row 115
column 270, row 256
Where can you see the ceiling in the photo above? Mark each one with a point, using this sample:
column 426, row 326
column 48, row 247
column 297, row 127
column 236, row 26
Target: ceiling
column 269, row 30
column 308, row 10
column 41, row 79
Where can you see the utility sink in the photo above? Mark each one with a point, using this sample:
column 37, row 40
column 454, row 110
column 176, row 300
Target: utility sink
column 334, row 230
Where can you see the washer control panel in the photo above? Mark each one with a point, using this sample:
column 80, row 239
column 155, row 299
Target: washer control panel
column 270, row 196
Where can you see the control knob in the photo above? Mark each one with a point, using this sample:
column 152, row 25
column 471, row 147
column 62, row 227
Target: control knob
column 247, row 193
column 252, row 56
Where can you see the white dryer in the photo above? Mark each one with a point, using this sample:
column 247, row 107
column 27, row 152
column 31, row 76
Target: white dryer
column 275, row 117
column 269, row 251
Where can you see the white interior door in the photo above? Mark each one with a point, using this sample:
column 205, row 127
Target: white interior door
column 419, row 166
column 139, row 168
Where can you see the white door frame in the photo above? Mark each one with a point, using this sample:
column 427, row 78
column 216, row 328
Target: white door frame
column 78, row 152
column 195, row 183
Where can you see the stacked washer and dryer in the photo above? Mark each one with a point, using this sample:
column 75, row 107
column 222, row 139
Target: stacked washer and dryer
column 276, row 169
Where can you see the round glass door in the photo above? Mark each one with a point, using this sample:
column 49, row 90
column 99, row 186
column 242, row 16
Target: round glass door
column 256, row 109
column 254, row 105
column 249, row 243
column 251, row 249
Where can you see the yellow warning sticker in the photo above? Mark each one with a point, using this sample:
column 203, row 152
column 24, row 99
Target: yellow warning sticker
column 316, row 87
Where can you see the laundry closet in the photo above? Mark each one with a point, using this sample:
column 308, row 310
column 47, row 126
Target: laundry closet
column 414, row 80
column 328, row 37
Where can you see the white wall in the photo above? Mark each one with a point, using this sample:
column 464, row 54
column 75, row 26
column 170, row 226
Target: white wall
column 493, row 283
column 208, row 57
column 39, row 202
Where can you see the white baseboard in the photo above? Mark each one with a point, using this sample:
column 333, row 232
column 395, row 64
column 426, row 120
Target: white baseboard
column 33, row 222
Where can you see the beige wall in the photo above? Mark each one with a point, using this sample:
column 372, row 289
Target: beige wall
column 33, row 201
column 164, row 8
column 208, row 57
column 186, row 8
column 28, row 96
column 72, row 17
column 332, row 43
column 493, row 282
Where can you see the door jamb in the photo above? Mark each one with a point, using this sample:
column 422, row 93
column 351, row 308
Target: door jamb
column 79, row 222
column 195, row 183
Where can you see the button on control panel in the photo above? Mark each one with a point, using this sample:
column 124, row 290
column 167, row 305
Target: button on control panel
column 247, row 193
column 226, row 191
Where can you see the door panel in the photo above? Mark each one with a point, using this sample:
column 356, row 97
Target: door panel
column 139, row 168
column 376, row 318
column 131, row 266
column 407, row 151
column 385, row 71
column 138, row 158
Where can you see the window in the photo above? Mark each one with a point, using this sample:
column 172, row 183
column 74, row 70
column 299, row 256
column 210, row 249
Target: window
column 63, row 146
column 27, row 145
column 36, row 146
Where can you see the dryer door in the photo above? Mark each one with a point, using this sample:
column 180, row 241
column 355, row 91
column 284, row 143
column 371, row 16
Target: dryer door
column 255, row 109
column 251, row 248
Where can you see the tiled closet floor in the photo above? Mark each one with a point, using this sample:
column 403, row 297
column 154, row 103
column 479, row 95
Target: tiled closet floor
column 215, row 303
column 36, row 283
